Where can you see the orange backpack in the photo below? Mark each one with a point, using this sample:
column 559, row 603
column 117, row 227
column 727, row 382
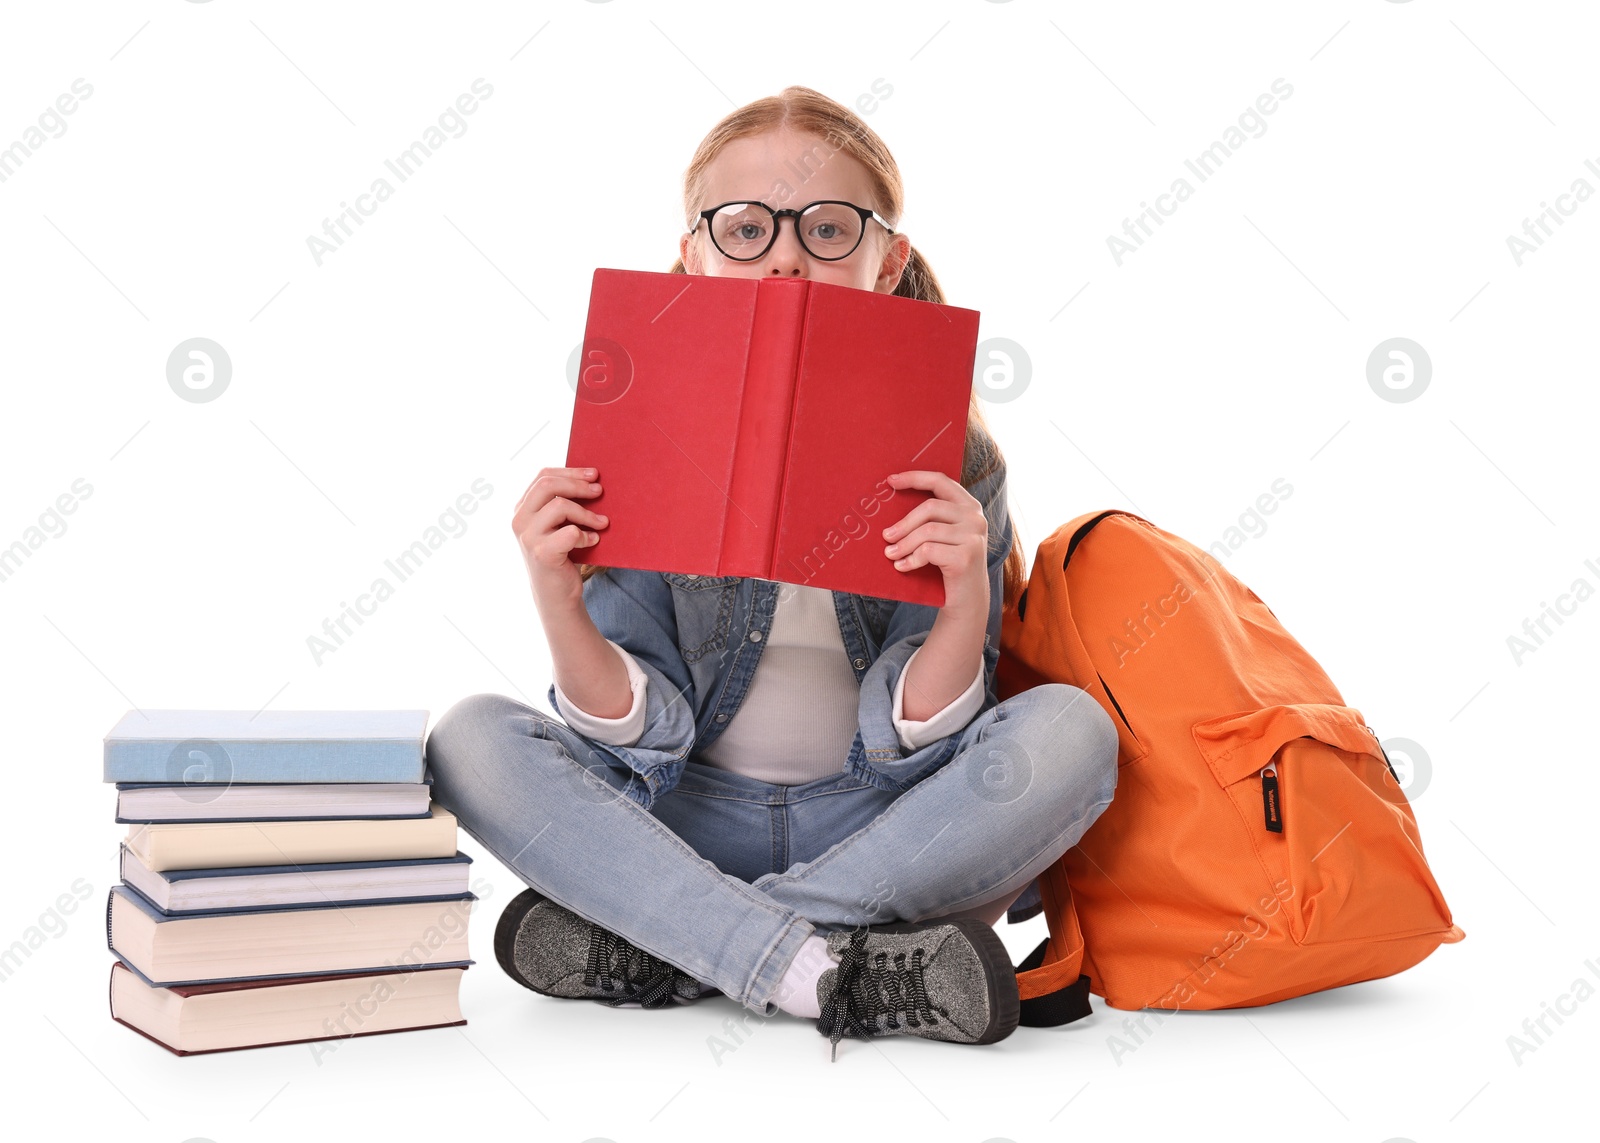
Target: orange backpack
column 1259, row 845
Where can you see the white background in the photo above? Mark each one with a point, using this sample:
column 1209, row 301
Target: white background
column 370, row 391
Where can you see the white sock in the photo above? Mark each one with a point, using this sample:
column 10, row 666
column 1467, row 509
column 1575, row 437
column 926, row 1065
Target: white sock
column 797, row 991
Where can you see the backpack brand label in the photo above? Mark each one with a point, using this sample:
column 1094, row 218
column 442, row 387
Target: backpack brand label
column 1271, row 803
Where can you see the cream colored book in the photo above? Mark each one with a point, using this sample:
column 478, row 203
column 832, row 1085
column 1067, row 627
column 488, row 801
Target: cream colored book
column 202, row 947
column 218, row 845
column 254, row 1013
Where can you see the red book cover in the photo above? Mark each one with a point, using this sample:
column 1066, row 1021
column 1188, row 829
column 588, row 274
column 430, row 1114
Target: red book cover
column 748, row 426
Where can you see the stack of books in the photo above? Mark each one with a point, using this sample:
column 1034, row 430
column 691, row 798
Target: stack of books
column 285, row 878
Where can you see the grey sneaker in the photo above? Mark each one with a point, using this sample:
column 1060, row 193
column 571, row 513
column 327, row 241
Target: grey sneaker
column 946, row 981
column 555, row 952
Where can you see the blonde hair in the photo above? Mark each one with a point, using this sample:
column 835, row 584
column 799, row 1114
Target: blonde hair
column 810, row 112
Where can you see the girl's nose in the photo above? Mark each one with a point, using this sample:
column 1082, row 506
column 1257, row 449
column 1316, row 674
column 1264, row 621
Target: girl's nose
column 787, row 256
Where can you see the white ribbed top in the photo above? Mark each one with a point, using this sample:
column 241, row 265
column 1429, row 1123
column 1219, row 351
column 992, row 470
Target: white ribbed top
column 798, row 718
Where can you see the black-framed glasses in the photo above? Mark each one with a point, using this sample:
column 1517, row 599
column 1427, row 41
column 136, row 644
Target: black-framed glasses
column 829, row 229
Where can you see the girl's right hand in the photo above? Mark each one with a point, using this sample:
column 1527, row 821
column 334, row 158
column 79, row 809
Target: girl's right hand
column 549, row 524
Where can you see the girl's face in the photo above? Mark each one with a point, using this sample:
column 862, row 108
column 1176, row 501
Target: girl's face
column 764, row 168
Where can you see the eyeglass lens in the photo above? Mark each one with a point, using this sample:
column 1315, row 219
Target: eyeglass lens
column 743, row 230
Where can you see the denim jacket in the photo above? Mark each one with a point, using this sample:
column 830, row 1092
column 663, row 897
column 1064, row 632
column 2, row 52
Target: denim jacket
column 698, row 639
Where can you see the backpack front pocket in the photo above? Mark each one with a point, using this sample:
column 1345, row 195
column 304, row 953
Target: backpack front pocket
column 1334, row 834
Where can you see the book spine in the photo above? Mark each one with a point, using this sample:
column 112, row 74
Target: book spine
column 276, row 977
column 305, row 906
column 790, row 418
column 110, row 897
column 766, row 407
column 264, row 761
column 334, row 814
column 282, row 1043
column 194, row 845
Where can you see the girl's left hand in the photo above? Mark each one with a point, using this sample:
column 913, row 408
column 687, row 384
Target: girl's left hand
column 948, row 531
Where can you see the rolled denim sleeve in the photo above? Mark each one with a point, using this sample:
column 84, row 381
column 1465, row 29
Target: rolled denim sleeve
column 633, row 610
column 908, row 628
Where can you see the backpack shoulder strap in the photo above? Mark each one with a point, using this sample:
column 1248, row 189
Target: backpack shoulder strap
column 1050, row 979
column 1053, row 626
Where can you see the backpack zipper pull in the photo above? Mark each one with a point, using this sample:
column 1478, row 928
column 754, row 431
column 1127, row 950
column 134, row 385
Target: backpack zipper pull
column 1271, row 798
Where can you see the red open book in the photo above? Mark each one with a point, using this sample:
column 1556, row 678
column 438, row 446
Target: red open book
column 748, row 427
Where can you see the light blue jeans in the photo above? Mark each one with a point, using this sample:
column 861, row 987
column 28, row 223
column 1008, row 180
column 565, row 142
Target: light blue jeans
column 725, row 876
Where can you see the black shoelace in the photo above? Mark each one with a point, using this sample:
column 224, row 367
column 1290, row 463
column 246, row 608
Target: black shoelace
column 614, row 963
column 864, row 991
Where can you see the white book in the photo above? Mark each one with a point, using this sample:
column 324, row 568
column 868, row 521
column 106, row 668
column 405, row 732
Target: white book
column 153, row 802
column 284, row 886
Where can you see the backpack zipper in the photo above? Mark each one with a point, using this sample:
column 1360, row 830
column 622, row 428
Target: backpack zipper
column 1383, row 752
column 1271, row 797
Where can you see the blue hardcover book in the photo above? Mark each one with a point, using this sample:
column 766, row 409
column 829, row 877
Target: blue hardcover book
column 257, row 944
column 218, row 747
column 243, row 887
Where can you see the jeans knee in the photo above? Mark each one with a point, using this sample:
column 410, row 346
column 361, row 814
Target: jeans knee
column 467, row 729
column 479, row 709
column 1081, row 736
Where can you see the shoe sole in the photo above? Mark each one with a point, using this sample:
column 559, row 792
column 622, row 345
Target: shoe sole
column 1000, row 975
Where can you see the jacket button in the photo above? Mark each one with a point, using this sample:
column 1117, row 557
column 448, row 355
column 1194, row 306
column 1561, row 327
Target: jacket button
column 722, row 718
column 755, row 636
column 858, row 664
